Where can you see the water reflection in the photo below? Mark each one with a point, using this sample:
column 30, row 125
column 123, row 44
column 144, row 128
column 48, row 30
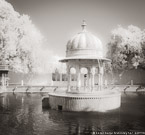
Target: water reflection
column 86, row 123
column 22, row 113
column 17, row 114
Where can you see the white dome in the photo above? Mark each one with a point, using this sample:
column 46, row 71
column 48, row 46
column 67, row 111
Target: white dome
column 84, row 44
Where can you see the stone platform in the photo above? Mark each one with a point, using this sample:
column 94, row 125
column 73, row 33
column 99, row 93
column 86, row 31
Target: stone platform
column 99, row 101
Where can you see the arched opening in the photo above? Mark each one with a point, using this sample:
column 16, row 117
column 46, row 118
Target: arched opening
column 84, row 70
column 73, row 74
column 84, row 77
column 73, row 70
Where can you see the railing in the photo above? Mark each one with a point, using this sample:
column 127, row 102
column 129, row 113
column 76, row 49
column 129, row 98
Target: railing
column 30, row 88
column 4, row 67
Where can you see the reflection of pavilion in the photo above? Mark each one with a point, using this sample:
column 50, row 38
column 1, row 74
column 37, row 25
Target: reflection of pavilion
column 85, row 50
column 83, row 123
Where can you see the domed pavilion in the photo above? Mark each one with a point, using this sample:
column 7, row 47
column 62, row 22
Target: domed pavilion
column 85, row 50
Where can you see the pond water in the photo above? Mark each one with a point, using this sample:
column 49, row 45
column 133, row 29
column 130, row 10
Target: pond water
column 22, row 114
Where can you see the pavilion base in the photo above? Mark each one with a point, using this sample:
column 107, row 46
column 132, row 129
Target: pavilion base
column 100, row 101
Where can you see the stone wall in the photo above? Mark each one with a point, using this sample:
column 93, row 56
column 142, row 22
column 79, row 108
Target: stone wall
column 137, row 75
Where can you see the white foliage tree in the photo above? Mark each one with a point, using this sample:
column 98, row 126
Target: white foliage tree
column 126, row 48
column 20, row 40
column 21, row 44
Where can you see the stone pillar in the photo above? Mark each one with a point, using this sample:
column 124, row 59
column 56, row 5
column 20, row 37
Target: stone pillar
column 60, row 77
column 69, row 79
column 85, row 82
column 89, row 79
column 101, row 72
column 78, row 78
column 99, row 80
column 93, row 78
column 101, row 77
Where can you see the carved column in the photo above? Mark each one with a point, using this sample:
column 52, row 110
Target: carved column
column 89, row 78
column 69, row 79
column 93, row 78
column 101, row 77
column 78, row 78
column 101, row 72
column 60, row 76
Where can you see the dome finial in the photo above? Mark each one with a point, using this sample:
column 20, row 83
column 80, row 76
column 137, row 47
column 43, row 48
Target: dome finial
column 84, row 25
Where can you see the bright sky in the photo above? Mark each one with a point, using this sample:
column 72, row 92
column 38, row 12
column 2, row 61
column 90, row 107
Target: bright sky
column 59, row 20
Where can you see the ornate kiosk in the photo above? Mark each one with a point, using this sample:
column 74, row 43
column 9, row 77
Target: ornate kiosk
column 85, row 50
